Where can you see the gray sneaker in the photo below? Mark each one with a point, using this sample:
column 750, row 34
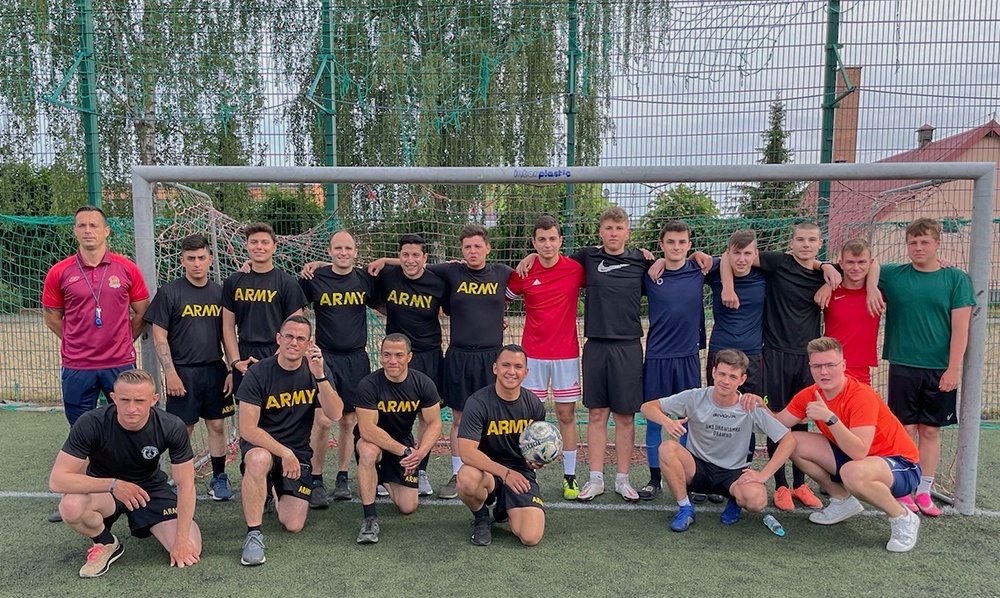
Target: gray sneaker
column 838, row 510
column 381, row 491
column 449, row 490
column 342, row 490
column 423, row 484
column 904, row 533
column 253, row 549
column 369, row 531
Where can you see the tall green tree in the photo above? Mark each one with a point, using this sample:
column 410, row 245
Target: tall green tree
column 773, row 200
column 680, row 202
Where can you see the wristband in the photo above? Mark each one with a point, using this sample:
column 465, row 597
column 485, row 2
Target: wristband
column 505, row 475
column 114, row 482
column 233, row 364
column 323, row 379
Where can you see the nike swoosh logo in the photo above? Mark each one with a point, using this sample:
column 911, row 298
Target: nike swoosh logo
column 603, row 268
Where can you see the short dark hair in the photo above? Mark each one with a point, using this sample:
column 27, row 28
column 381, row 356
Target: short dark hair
column 90, row 208
column 675, row 226
column 194, row 242
column 512, row 348
column 742, row 239
column 856, row 247
column 545, row 222
column 412, row 239
column 473, row 230
column 805, row 225
column 397, row 337
column 925, row 226
column 259, row 227
column 297, row 319
column 733, row 358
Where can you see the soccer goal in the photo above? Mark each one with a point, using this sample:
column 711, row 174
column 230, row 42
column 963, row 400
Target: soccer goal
column 873, row 201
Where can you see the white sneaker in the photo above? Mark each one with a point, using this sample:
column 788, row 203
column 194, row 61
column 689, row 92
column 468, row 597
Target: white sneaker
column 381, row 491
column 423, row 484
column 591, row 490
column 838, row 510
column 626, row 490
column 904, row 533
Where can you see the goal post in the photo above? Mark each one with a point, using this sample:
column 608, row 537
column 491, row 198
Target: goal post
column 983, row 176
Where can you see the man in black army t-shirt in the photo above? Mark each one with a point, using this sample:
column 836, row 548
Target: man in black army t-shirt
column 109, row 466
column 494, row 470
column 278, row 398
column 255, row 303
column 389, row 401
column 186, row 319
column 340, row 295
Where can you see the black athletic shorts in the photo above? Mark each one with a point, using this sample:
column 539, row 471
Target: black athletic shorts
column 712, row 479
column 785, row 374
column 753, row 384
column 429, row 363
column 506, row 499
column 348, row 369
column 612, row 375
column 465, row 372
column 248, row 351
column 300, row 487
column 162, row 506
column 914, row 397
column 388, row 467
column 205, row 398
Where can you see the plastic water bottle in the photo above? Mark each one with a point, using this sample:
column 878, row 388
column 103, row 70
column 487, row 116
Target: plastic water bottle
column 774, row 525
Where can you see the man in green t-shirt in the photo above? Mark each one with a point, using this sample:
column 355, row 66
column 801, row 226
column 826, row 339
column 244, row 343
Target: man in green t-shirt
column 928, row 308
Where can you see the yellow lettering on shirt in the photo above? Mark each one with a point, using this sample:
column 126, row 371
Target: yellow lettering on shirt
column 255, row 295
column 477, row 288
column 404, row 299
column 201, row 311
column 501, row 427
column 291, row 399
column 339, row 299
column 398, row 406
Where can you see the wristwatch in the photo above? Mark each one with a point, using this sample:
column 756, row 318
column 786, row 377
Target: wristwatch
column 407, row 452
column 833, row 419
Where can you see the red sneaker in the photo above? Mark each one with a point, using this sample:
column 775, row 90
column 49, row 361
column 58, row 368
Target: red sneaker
column 783, row 499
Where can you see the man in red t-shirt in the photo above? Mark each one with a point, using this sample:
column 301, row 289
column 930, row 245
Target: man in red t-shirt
column 93, row 301
column 846, row 313
column 862, row 451
column 551, row 292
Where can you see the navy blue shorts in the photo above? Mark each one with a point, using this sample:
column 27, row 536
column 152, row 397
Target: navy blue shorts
column 665, row 377
column 905, row 474
column 80, row 388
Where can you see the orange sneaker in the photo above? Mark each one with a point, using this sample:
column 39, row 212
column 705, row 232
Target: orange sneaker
column 783, row 499
column 805, row 495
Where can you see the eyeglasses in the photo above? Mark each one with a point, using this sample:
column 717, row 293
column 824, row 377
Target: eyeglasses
column 819, row 367
column 291, row 337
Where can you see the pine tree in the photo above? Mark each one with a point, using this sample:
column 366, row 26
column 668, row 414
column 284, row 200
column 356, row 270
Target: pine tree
column 773, row 200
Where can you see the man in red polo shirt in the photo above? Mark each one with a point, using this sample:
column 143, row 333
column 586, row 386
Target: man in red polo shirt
column 93, row 301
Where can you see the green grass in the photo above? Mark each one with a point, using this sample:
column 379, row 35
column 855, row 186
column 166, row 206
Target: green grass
column 585, row 551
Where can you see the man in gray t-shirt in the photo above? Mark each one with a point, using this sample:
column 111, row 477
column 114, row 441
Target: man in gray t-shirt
column 719, row 430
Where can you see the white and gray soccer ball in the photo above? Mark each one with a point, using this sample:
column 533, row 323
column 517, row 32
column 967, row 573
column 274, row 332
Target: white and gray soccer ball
column 541, row 443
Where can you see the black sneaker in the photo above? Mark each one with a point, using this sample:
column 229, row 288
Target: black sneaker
column 716, row 498
column 55, row 517
column 268, row 504
column 318, row 499
column 342, row 490
column 651, row 490
column 482, row 532
column 698, row 498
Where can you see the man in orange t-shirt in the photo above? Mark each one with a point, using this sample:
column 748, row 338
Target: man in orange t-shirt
column 862, row 451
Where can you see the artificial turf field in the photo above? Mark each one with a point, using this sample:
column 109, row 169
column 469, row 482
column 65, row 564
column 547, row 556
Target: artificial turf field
column 605, row 548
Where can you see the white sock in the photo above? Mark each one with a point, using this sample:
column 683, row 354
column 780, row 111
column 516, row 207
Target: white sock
column 926, row 483
column 621, row 477
column 684, row 502
column 596, row 476
column 569, row 462
column 456, row 464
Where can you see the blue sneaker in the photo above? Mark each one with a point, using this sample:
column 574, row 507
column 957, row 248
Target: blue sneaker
column 683, row 520
column 218, row 488
column 731, row 514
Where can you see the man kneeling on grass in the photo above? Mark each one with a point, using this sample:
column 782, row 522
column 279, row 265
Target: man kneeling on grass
column 862, row 451
column 110, row 467
column 719, row 431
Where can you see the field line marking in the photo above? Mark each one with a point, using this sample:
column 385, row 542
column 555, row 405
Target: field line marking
column 562, row 505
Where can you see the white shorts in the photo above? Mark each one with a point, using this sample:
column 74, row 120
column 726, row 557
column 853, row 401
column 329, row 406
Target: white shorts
column 563, row 375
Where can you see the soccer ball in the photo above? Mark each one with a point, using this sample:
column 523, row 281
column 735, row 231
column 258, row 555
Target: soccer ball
column 541, row 443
